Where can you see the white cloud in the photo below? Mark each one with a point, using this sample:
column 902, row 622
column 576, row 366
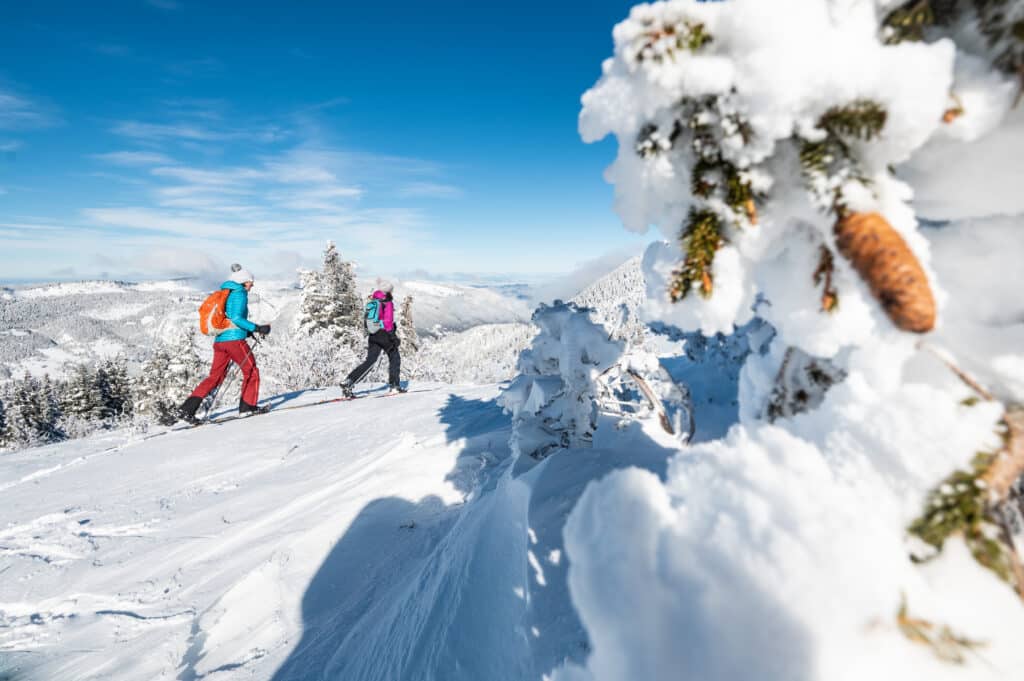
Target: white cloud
column 210, row 178
column 161, row 131
column 184, row 131
column 143, row 219
column 262, row 201
column 19, row 113
column 430, row 190
column 134, row 158
column 330, row 198
column 293, row 172
column 181, row 262
column 186, row 191
column 214, row 204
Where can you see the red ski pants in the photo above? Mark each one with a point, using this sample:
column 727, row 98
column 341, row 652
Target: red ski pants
column 237, row 351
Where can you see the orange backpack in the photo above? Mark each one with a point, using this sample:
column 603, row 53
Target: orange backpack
column 212, row 320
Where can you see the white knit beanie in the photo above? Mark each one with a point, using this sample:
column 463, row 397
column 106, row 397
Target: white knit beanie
column 385, row 286
column 240, row 275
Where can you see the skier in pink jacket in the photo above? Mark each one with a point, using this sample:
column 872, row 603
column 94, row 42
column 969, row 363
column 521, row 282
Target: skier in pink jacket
column 380, row 323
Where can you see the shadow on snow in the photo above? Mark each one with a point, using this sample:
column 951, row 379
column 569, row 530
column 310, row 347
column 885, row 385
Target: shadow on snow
column 384, row 603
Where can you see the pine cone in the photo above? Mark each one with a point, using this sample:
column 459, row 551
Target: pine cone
column 890, row 269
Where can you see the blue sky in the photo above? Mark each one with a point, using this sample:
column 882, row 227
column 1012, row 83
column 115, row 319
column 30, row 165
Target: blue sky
column 147, row 138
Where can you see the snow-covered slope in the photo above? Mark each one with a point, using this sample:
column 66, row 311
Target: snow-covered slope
column 230, row 546
column 622, row 286
column 439, row 307
column 42, row 328
column 482, row 354
column 308, row 544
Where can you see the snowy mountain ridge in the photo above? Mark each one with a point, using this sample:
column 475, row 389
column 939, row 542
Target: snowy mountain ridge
column 622, row 286
column 43, row 328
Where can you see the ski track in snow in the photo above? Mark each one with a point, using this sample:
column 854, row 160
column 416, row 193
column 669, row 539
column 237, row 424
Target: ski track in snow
column 199, row 553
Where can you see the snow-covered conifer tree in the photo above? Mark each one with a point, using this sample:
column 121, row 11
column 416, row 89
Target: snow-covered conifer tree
column 5, row 434
column 786, row 150
column 50, row 402
column 410, row 339
column 115, row 388
column 150, row 396
column 330, row 299
column 168, row 375
column 80, row 397
column 553, row 400
column 311, row 300
column 33, row 414
column 339, row 276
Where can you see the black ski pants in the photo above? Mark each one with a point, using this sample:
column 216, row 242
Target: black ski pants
column 381, row 341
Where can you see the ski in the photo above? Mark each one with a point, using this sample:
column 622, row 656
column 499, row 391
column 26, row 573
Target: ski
column 315, row 404
column 238, row 417
column 407, row 392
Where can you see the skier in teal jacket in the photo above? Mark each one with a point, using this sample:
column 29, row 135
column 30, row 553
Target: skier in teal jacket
column 230, row 346
column 236, row 308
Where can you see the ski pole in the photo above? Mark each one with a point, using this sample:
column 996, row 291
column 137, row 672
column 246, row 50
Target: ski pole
column 222, row 388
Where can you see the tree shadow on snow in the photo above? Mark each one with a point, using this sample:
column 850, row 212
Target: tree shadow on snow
column 382, row 549
column 479, row 590
column 10, row 670
column 485, row 429
column 383, row 585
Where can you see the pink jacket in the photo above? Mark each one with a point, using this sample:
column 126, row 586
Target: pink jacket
column 387, row 313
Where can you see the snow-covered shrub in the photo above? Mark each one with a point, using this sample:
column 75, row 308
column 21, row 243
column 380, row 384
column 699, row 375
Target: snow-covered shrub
column 303, row 360
column 411, row 344
column 167, row 377
column 553, row 400
column 640, row 388
column 778, row 145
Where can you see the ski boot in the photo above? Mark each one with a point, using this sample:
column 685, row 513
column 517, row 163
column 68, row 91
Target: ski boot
column 187, row 411
column 346, row 389
column 396, row 389
column 246, row 409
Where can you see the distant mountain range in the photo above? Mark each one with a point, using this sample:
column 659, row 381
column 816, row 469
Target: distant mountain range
column 46, row 327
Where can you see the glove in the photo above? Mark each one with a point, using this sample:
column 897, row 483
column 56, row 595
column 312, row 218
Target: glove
column 263, row 329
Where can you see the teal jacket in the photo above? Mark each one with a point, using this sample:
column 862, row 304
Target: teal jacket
column 237, row 310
